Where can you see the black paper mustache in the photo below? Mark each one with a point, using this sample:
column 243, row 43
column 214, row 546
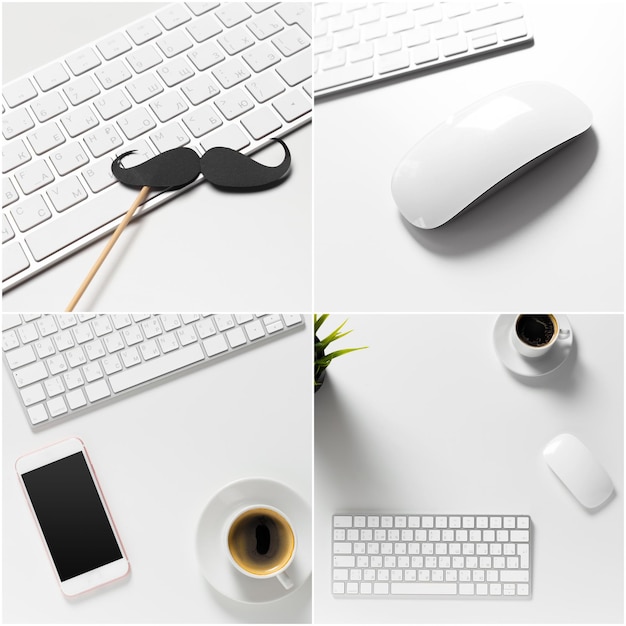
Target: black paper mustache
column 222, row 167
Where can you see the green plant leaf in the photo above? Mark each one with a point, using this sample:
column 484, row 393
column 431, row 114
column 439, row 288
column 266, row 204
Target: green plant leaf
column 334, row 335
column 319, row 320
column 327, row 358
column 322, row 361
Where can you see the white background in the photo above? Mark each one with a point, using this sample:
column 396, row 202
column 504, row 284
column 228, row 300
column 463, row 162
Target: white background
column 204, row 248
column 553, row 239
column 160, row 455
column 427, row 420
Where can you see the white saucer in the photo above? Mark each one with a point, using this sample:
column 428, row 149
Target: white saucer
column 212, row 551
column 530, row 367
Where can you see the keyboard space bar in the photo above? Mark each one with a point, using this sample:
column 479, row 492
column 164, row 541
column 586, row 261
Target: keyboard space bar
column 149, row 370
column 424, row 589
column 79, row 221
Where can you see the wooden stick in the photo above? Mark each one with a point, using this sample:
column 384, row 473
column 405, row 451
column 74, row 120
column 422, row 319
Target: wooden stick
column 103, row 255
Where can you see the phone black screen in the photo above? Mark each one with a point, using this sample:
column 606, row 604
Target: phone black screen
column 71, row 516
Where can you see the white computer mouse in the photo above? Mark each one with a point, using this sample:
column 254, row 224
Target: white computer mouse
column 570, row 459
column 483, row 147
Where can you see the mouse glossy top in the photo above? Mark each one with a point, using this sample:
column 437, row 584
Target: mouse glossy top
column 573, row 463
column 477, row 148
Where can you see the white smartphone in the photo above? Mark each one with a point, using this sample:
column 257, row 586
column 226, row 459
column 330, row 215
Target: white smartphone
column 73, row 519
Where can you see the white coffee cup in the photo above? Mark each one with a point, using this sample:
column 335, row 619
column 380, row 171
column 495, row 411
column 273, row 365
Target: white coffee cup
column 534, row 335
column 261, row 543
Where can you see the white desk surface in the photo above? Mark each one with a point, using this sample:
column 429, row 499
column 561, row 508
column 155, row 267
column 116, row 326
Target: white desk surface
column 230, row 252
column 427, row 420
column 566, row 215
column 161, row 454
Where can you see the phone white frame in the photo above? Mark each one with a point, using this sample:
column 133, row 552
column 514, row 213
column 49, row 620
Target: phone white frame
column 93, row 578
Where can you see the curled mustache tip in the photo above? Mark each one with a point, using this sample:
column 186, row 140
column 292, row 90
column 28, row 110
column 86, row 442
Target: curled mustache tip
column 119, row 157
column 231, row 170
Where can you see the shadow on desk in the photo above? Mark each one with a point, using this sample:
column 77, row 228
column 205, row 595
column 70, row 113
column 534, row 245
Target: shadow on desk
column 287, row 610
column 566, row 379
column 341, row 444
column 513, row 207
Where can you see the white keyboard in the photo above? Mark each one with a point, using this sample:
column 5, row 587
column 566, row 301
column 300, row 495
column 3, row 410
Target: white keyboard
column 484, row 556
column 197, row 74
column 64, row 364
column 359, row 43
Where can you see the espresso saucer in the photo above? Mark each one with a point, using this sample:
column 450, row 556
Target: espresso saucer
column 212, row 552
column 530, row 367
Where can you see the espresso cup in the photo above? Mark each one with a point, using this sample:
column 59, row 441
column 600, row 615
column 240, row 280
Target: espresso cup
column 261, row 543
column 534, row 335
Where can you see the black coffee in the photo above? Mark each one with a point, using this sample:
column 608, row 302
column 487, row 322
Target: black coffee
column 535, row 330
column 261, row 541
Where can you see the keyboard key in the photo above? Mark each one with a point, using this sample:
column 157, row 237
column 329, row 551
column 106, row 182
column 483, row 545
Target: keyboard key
column 14, row 154
column 168, row 106
column 136, row 123
column 76, row 399
column 19, row 92
column 265, row 25
column 204, row 28
column 175, row 72
column 112, row 74
column 513, row 30
column 82, row 61
column 173, row 16
column 37, row 414
column 96, row 391
column 236, row 40
column 231, row 73
column 81, row 90
column 103, row 140
column 9, row 195
column 78, row 121
column 291, row 106
column 111, row 104
column 291, row 41
column 261, row 123
column 199, row 8
column 99, row 176
column 174, row 43
column 50, row 77
column 15, row 123
column 113, row 46
column 144, row 58
column 265, row 87
column 295, row 70
column 232, row 13
column 66, row 194
column 68, row 158
column 202, row 120
column 200, row 89
column 144, row 88
column 34, row 176
column 143, row 31
column 48, row 106
column 14, row 260
column 30, row 374
column 205, row 56
column 233, row 103
column 299, row 13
